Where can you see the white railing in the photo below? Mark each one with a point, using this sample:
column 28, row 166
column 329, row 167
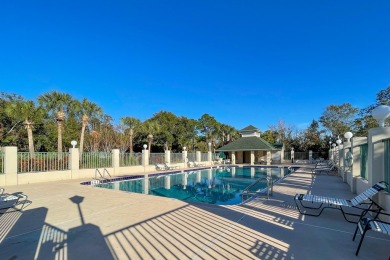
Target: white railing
column 204, row 157
column 42, row 162
column 156, row 158
column 130, row 159
column 93, row 160
column 176, row 157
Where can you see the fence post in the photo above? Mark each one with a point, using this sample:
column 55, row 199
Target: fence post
column 74, row 161
column 310, row 156
column 145, row 158
column 167, row 156
column 115, row 161
column 292, row 155
column 209, row 157
column 11, row 165
column 198, row 156
column 185, row 158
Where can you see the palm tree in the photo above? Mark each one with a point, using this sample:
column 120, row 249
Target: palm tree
column 133, row 124
column 26, row 111
column 58, row 104
column 86, row 110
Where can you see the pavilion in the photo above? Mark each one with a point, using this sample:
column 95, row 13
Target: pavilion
column 251, row 149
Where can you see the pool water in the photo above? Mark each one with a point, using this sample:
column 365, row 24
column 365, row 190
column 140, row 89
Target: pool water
column 222, row 186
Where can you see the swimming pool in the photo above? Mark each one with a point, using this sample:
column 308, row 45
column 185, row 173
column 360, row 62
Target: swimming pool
column 222, row 186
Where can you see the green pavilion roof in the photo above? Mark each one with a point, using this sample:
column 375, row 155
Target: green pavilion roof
column 252, row 143
column 249, row 128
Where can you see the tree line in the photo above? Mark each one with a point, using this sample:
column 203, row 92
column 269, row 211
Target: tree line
column 54, row 119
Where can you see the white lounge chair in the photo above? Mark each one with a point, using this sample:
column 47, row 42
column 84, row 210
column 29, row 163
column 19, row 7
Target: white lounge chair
column 371, row 223
column 171, row 167
column 160, row 167
column 323, row 202
column 197, row 164
column 15, row 201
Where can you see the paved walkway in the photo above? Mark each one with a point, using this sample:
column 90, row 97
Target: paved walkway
column 70, row 221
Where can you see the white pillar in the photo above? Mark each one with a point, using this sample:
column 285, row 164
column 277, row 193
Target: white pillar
column 310, row 156
column 233, row 157
column 355, row 144
column 145, row 158
column 269, row 157
column 252, row 157
column 292, row 156
column 198, row 156
column 10, row 154
column 74, row 162
column 185, row 159
column 167, row 156
column 209, row 157
column 115, row 161
column 375, row 154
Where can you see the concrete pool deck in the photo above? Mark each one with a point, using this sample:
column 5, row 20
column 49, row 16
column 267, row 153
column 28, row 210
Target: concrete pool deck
column 67, row 220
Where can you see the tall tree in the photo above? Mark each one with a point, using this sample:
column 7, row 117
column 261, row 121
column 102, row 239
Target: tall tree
column 133, row 124
column 338, row 119
column 86, row 110
column 207, row 126
column 58, row 104
column 26, row 112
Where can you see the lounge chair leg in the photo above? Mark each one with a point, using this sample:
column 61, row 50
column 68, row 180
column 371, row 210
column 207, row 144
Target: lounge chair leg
column 361, row 240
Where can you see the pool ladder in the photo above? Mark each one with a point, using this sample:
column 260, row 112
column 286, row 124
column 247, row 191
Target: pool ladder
column 247, row 192
column 102, row 178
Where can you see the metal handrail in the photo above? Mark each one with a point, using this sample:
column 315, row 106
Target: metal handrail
column 102, row 176
column 269, row 187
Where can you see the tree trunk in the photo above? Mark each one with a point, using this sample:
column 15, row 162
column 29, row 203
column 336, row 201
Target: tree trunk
column 29, row 127
column 59, row 143
column 60, row 119
column 84, row 125
column 131, row 140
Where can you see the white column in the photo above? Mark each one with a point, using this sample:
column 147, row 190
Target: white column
column 167, row 156
column 115, row 161
column 292, row 156
column 375, row 154
column 269, row 157
column 252, row 157
column 10, row 154
column 145, row 157
column 209, row 157
column 185, row 159
column 198, row 156
column 233, row 157
column 74, row 161
column 310, row 156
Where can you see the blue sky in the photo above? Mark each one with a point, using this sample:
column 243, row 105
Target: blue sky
column 243, row 62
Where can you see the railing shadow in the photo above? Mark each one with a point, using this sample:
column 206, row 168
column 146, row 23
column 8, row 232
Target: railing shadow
column 27, row 229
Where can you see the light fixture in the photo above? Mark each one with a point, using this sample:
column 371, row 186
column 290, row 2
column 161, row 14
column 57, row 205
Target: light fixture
column 292, row 149
column 338, row 141
column 333, row 145
column 348, row 136
column 73, row 143
column 184, row 148
column 145, row 146
column 380, row 113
